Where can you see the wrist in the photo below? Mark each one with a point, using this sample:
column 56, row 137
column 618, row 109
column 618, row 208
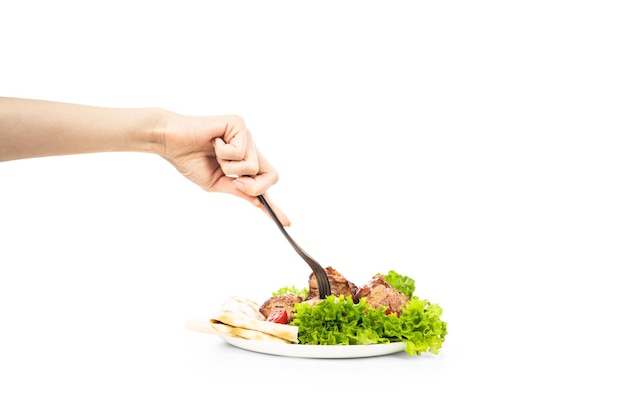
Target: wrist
column 150, row 134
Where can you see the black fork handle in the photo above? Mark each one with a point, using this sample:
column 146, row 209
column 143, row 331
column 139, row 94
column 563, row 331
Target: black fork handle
column 323, row 284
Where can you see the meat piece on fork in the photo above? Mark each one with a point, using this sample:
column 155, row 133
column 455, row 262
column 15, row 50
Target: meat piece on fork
column 339, row 285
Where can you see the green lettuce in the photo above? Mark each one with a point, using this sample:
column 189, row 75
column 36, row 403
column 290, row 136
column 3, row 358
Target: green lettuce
column 337, row 320
column 302, row 292
column 401, row 283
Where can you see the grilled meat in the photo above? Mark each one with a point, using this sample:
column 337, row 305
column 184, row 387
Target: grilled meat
column 380, row 293
column 285, row 301
column 339, row 285
column 377, row 292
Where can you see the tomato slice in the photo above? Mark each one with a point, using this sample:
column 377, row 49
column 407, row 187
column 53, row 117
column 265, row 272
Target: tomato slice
column 278, row 316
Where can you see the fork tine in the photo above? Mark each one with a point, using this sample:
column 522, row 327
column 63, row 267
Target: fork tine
column 323, row 284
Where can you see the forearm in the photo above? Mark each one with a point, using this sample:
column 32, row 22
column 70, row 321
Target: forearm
column 36, row 128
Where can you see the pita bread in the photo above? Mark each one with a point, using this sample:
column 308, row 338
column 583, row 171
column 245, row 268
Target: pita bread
column 240, row 317
column 248, row 334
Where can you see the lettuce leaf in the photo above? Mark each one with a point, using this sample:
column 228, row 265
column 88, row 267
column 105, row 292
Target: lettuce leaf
column 303, row 293
column 337, row 320
column 399, row 282
column 340, row 321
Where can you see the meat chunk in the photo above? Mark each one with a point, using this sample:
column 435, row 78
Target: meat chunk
column 339, row 285
column 285, row 301
column 380, row 293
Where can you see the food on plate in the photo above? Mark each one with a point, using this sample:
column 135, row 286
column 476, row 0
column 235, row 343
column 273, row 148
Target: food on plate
column 279, row 316
column 240, row 317
column 377, row 292
column 339, row 285
column 280, row 303
column 381, row 311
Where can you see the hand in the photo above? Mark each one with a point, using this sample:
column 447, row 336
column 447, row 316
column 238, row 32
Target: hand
column 218, row 154
column 215, row 152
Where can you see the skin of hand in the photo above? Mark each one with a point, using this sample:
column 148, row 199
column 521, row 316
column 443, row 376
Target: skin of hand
column 215, row 152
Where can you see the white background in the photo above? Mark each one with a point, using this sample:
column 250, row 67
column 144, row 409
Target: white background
column 474, row 146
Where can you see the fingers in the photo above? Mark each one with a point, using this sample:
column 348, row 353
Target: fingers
column 237, row 156
column 249, row 187
column 234, row 186
column 279, row 213
column 260, row 182
column 247, row 174
column 240, row 158
column 284, row 220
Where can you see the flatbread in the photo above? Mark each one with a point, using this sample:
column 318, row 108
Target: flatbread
column 240, row 317
column 248, row 334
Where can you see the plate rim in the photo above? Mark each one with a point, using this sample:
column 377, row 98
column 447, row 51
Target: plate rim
column 315, row 351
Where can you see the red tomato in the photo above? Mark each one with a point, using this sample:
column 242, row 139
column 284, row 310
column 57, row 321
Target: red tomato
column 279, row 316
column 389, row 312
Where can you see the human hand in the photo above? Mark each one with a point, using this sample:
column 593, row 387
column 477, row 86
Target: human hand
column 218, row 154
column 215, row 152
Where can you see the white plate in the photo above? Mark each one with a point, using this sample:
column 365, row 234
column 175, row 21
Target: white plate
column 316, row 351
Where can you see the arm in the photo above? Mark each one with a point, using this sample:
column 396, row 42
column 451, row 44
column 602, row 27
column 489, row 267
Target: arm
column 215, row 152
column 36, row 128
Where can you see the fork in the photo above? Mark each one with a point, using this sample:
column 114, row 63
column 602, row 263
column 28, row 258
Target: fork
column 320, row 274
